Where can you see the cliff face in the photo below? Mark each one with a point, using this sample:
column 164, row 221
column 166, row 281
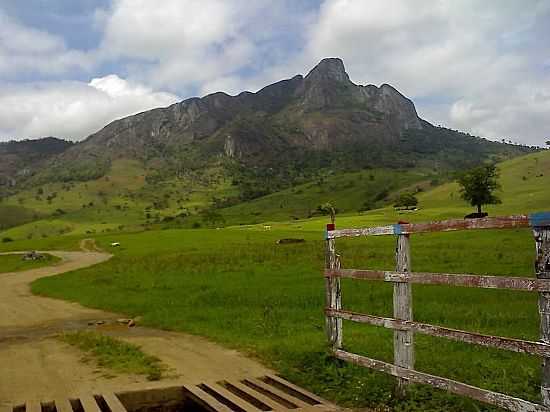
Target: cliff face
column 323, row 116
column 319, row 107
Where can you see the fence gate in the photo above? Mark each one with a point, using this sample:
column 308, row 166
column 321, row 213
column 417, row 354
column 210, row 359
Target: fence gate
column 403, row 324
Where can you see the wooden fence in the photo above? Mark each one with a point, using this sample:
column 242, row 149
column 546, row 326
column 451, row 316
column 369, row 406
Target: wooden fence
column 403, row 324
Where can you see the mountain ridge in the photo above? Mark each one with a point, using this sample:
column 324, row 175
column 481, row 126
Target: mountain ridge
column 290, row 128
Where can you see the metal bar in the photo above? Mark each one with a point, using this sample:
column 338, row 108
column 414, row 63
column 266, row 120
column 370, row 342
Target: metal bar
column 502, row 222
column 33, row 406
column 113, row 402
column 513, row 345
column 244, row 404
column 451, row 279
column 301, row 393
column 251, row 393
column 63, row 405
column 288, row 398
column 493, row 398
column 205, row 399
column 89, row 403
column 542, row 269
column 403, row 340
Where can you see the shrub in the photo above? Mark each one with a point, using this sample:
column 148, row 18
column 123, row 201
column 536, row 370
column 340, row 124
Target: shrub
column 7, row 239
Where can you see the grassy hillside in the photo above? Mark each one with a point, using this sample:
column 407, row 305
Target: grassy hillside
column 525, row 181
column 348, row 192
column 246, row 292
column 129, row 197
column 124, row 199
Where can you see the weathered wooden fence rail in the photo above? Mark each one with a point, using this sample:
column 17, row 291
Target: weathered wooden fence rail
column 402, row 323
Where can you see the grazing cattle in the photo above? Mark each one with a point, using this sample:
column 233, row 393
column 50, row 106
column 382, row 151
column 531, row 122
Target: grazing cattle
column 115, row 244
column 267, row 227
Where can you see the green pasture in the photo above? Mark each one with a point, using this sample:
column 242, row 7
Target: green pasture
column 15, row 263
column 237, row 287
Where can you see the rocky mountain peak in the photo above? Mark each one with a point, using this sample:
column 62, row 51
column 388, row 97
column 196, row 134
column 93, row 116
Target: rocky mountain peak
column 329, row 69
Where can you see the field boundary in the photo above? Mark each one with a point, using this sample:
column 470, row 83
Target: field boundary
column 402, row 323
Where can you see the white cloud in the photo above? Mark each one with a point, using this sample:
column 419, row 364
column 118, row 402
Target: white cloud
column 72, row 110
column 187, row 45
column 483, row 59
column 480, row 66
column 27, row 50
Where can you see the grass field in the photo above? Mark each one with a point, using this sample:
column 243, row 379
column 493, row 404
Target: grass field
column 348, row 192
column 237, row 287
column 115, row 355
column 246, row 292
column 15, row 263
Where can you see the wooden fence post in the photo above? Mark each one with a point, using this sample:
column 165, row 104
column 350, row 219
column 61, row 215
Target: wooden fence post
column 542, row 269
column 333, row 295
column 403, row 341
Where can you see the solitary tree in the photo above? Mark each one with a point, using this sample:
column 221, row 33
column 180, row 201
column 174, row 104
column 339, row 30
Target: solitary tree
column 478, row 186
column 548, row 143
column 406, row 200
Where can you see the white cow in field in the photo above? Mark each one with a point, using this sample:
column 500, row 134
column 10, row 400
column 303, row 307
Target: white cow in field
column 115, row 244
column 267, row 227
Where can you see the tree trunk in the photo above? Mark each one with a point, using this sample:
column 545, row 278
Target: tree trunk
column 479, row 209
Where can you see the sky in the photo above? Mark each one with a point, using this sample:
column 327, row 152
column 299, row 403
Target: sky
column 68, row 68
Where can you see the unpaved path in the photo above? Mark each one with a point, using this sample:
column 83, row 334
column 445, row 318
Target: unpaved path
column 34, row 365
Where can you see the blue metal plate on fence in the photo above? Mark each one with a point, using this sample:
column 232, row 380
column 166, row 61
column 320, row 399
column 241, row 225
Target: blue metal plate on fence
column 539, row 219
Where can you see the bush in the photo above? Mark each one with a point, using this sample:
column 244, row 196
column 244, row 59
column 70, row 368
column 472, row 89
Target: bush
column 7, row 239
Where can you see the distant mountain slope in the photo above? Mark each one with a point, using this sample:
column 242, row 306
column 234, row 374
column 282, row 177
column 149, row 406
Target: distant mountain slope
column 293, row 127
column 22, row 158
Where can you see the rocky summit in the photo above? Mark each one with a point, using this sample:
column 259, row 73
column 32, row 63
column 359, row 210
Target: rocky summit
column 306, row 122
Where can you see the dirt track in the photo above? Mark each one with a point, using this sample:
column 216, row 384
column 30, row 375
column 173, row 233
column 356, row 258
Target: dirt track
column 35, row 365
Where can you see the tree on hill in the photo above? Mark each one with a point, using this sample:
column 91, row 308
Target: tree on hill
column 478, row 186
column 548, row 143
column 406, row 200
column 327, row 209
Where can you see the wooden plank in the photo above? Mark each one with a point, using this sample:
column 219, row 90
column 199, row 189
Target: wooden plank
column 449, row 279
column 33, row 406
column 6, row 408
column 113, row 402
column 333, row 297
column 367, row 231
column 469, row 280
column 492, row 398
column 257, row 395
column 501, row 222
column 279, row 393
column 89, row 403
column 205, row 399
column 514, row 345
column 63, row 405
column 361, row 274
column 403, row 340
column 542, row 269
column 307, row 394
column 243, row 404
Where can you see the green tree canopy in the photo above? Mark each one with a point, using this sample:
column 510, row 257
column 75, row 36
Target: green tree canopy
column 406, row 200
column 478, row 186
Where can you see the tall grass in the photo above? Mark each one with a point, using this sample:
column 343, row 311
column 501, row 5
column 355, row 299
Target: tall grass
column 240, row 289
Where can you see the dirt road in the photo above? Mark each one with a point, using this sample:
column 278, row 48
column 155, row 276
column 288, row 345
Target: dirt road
column 37, row 366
